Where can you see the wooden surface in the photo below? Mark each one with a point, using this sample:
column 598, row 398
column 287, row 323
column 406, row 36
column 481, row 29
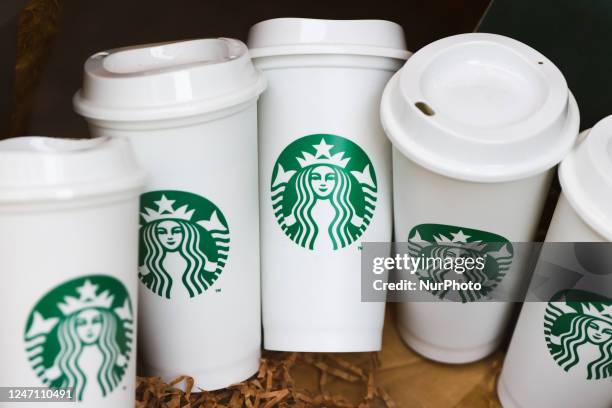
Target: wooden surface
column 574, row 34
column 395, row 377
column 413, row 381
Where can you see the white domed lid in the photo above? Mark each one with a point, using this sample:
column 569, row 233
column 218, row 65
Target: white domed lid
column 480, row 107
column 167, row 80
column 586, row 177
column 35, row 168
column 294, row 36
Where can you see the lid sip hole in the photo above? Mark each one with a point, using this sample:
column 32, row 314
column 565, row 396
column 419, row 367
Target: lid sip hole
column 425, row 108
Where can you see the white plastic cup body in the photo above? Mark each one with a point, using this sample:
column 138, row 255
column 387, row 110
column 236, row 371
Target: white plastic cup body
column 213, row 156
column 49, row 244
column 189, row 110
column 474, row 152
column 311, row 297
column 531, row 377
column 462, row 332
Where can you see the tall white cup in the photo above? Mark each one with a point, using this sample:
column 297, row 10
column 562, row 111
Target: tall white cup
column 68, row 212
column 189, row 110
column 561, row 351
column 478, row 123
column 325, row 177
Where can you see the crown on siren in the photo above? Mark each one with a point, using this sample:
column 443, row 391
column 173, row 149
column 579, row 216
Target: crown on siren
column 590, row 310
column 87, row 299
column 323, row 156
column 459, row 240
column 165, row 210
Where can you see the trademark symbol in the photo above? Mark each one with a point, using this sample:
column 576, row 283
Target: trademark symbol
column 217, row 290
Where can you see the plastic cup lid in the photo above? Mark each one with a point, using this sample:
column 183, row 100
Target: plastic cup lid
column 586, row 177
column 168, row 80
column 295, row 36
column 34, row 168
column 480, row 107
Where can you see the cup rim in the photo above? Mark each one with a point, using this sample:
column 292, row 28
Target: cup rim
column 329, row 49
column 45, row 145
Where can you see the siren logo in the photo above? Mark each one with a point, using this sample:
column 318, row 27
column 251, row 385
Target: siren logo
column 80, row 335
column 579, row 333
column 442, row 242
column 323, row 191
column 184, row 243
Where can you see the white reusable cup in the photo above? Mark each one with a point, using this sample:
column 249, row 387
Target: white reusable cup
column 68, row 212
column 533, row 376
column 325, row 177
column 478, row 122
column 189, row 110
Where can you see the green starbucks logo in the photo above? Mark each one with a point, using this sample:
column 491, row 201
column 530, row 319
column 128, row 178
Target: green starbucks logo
column 579, row 333
column 80, row 335
column 184, row 243
column 323, row 191
column 443, row 248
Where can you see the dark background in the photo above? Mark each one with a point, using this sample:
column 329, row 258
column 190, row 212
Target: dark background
column 8, row 50
column 575, row 34
column 86, row 27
